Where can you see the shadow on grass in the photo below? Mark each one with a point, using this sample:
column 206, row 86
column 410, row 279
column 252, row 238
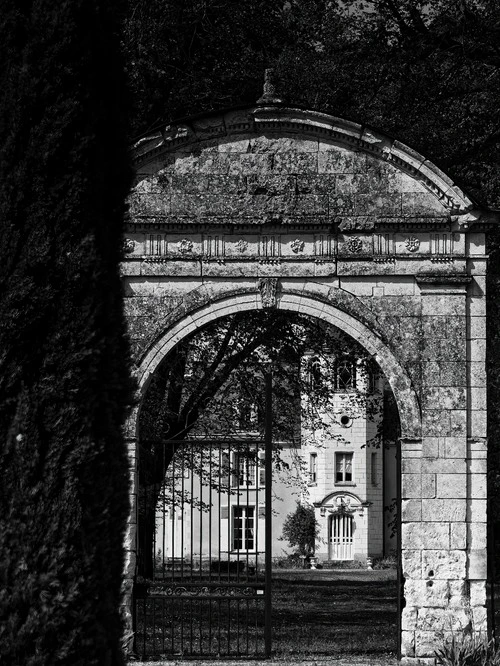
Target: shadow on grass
column 334, row 614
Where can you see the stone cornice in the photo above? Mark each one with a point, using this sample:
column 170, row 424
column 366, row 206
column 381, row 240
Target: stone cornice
column 443, row 279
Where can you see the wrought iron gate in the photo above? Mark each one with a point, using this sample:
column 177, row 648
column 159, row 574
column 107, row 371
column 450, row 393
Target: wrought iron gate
column 208, row 593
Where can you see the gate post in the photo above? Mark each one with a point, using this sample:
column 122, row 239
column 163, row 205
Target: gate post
column 410, row 508
column 444, row 474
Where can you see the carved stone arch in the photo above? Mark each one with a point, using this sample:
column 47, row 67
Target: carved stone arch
column 327, row 499
column 339, row 298
column 311, row 301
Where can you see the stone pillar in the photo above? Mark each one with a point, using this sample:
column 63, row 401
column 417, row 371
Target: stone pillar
column 476, row 442
column 411, row 541
column 130, row 543
column 437, row 541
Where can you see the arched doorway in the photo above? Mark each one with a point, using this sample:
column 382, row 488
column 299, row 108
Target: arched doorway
column 214, row 311
column 278, row 207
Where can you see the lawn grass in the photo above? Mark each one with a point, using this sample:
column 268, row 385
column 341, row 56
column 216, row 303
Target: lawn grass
column 334, row 612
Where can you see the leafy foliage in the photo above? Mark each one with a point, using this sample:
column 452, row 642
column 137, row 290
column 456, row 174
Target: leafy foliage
column 186, row 56
column 212, row 383
column 64, row 379
column 301, row 529
column 468, row 650
column 426, row 72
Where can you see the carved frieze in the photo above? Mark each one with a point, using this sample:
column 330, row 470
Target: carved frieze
column 412, row 243
column 185, row 246
column 297, row 245
column 354, row 244
column 213, row 247
column 292, row 250
column 128, row 245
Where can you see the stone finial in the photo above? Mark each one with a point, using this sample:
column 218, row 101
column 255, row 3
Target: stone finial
column 269, row 94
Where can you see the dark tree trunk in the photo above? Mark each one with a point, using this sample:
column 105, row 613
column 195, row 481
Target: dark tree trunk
column 64, row 367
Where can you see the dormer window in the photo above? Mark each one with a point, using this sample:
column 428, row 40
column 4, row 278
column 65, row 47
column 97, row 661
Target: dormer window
column 315, row 372
column 249, row 417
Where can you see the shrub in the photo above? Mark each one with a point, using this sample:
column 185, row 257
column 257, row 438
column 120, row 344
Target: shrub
column 292, row 561
column 388, row 562
column 301, row 530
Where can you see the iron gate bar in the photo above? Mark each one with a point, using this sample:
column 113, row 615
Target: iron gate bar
column 268, row 435
column 172, row 609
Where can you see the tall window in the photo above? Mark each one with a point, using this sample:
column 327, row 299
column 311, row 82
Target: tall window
column 374, row 469
column 243, row 527
column 343, row 467
column 345, row 376
column 244, row 469
column 313, row 467
column 370, row 380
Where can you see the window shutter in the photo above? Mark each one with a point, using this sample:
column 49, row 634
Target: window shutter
column 262, row 511
column 225, row 470
column 262, row 469
column 224, row 512
column 235, row 470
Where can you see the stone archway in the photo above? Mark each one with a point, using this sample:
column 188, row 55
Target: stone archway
column 310, row 300
column 279, row 207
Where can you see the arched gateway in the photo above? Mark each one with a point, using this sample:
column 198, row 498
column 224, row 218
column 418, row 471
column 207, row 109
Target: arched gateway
column 276, row 207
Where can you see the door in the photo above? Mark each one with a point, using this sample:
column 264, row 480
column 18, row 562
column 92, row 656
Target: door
column 341, row 537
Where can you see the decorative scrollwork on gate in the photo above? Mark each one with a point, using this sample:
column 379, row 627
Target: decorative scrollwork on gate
column 204, row 591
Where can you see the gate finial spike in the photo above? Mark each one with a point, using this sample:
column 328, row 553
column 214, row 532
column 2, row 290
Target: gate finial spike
column 270, row 93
